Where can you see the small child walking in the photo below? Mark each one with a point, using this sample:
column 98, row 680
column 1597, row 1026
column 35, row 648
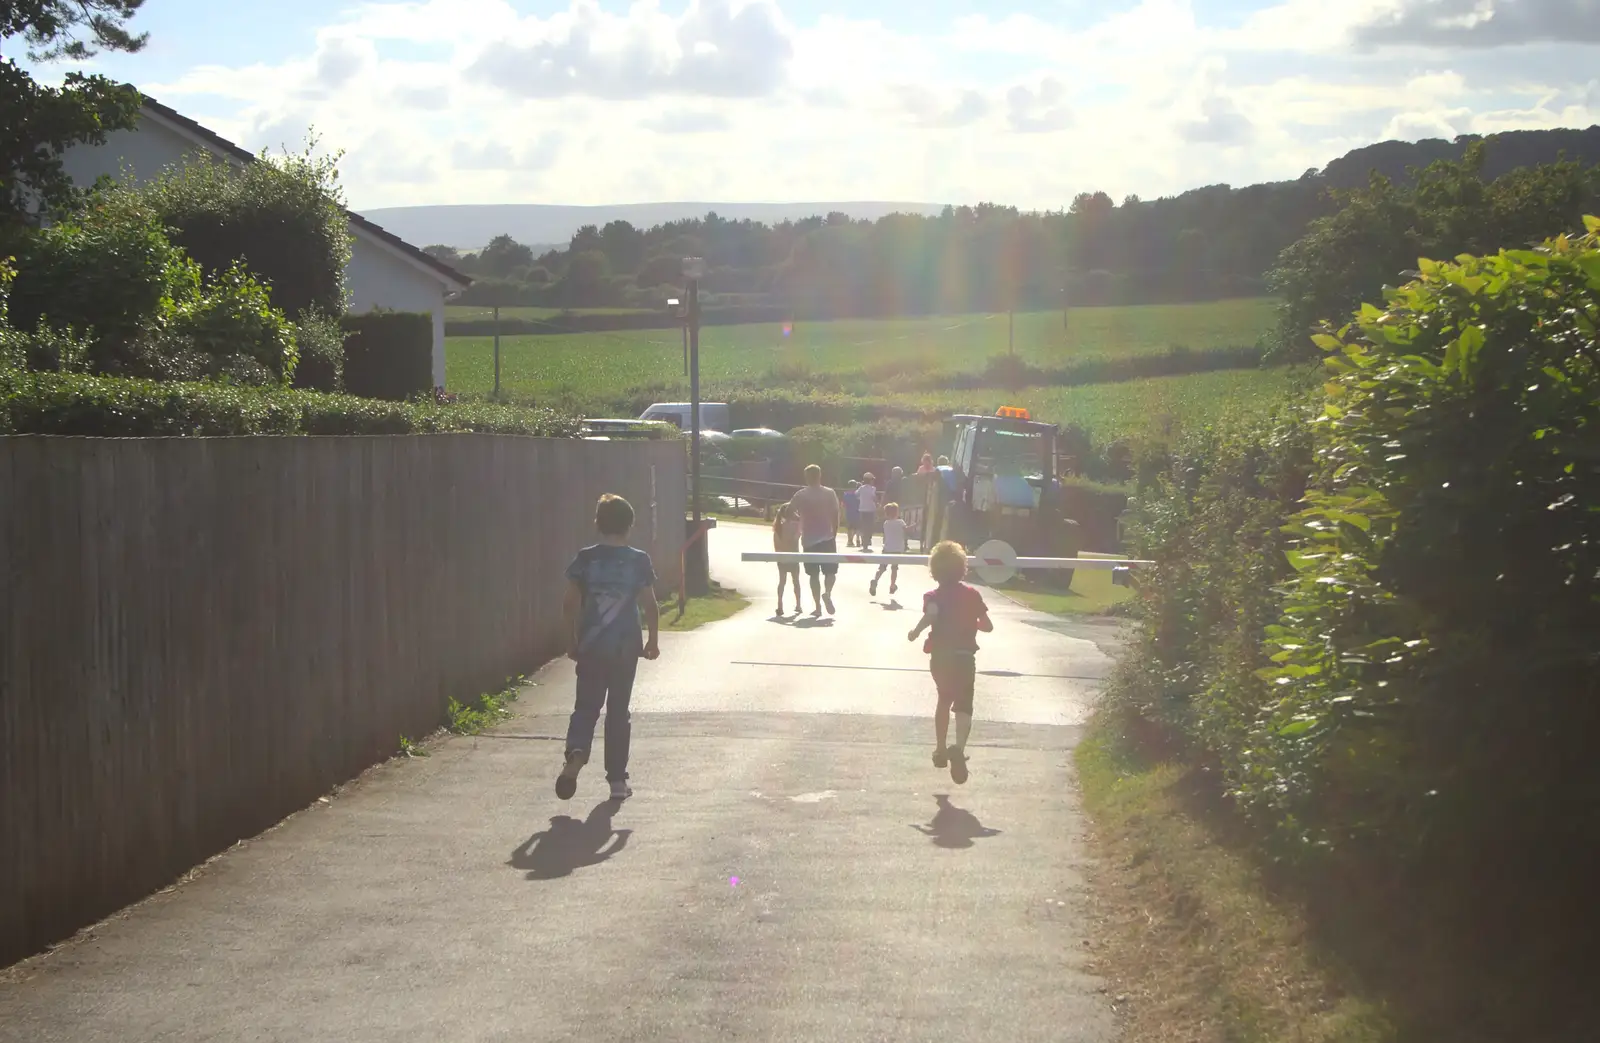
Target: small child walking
column 867, row 504
column 894, row 542
column 786, row 537
column 955, row 612
column 852, row 512
column 611, row 591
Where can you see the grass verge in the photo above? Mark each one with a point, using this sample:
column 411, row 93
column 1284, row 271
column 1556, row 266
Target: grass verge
column 1092, row 594
column 721, row 603
column 1194, row 943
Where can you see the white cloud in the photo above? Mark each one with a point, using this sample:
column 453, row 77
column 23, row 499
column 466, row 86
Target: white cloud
column 716, row 48
column 470, row 101
column 1483, row 23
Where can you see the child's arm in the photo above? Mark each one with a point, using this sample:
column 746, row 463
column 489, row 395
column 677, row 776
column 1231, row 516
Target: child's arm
column 571, row 610
column 985, row 625
column 922, row 624
column 652, row 620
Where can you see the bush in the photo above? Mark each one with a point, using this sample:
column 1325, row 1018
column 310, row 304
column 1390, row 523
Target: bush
column 229, row 330
column 74, row 404
column 388, row 354
column 108, row 276
column 1436, row 664
column 319, row 341
column 282, row 217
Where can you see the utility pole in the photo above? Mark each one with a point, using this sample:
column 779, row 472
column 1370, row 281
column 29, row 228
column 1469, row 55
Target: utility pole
column 697, row 562
column 497, row 352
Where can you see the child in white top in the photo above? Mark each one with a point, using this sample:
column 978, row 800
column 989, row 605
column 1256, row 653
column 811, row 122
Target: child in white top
column 867, row 504
column 894, row 542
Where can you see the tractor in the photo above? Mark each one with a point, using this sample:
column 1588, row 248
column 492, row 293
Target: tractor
column 1001, row 484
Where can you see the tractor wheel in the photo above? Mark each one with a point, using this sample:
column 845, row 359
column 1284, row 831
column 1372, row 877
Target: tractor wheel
column 1063, row 543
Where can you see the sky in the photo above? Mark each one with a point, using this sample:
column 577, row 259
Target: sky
column 1020, row 102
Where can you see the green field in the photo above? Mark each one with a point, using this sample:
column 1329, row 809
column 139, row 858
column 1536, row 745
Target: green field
column 472, row 311
column 1133, row 406
column 875, row 358
column 622, row 359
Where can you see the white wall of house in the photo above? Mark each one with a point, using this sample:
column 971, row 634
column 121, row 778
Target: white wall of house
column 378, row 276
column 377, row 279
column 146, row 152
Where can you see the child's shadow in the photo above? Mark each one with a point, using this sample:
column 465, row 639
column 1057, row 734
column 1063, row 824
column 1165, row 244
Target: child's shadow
column 569, row 844
column 953, row 826
column 891, row 605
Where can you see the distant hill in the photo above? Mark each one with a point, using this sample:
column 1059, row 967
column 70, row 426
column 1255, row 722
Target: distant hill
column 471, row 226
column 1510, row 149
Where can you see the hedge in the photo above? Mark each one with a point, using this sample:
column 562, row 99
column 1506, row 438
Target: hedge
column 282, row 216
column 79, row 404
column 388, row 354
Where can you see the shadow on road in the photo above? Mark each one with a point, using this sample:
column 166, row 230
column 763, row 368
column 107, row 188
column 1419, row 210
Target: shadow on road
column 954, row 827
column 569, row 844
column 808, row 622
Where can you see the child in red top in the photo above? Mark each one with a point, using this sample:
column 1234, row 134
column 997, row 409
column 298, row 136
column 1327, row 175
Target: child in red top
column 953, row 614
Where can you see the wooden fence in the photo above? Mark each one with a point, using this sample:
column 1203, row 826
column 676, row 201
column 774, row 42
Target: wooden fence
column 200, row 636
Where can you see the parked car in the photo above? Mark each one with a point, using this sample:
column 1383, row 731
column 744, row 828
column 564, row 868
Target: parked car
column 758, row 432
column 714, row 416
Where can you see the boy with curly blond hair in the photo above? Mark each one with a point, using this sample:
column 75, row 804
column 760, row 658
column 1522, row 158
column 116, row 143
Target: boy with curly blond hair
column 953, row 614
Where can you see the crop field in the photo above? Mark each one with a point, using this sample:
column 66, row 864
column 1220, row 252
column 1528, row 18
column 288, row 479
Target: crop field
column 617, row 360
column 472, row 311
column 874, row 359
column 1130, row 407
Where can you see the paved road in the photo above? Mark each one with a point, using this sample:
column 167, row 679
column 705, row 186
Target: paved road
column 454, row 898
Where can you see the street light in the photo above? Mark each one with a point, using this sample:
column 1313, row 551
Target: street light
column 697, row 562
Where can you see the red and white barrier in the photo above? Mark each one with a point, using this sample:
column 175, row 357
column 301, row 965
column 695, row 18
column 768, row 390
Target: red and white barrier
column 994, row 562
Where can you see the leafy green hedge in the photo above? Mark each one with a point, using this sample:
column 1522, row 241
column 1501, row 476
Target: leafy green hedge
column 282, row 216
column 1379, row 619
column 388, row 354
column 77, row 404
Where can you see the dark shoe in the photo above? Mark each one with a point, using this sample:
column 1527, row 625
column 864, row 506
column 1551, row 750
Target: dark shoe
column 958, row 766
column 567, row 781
column 872, row 589
column 941, row 757
column 620, row 790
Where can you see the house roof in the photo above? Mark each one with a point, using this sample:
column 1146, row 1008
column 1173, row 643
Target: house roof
column 222, row 145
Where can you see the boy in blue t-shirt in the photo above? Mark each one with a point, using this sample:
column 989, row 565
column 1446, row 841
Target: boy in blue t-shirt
column 610, row 588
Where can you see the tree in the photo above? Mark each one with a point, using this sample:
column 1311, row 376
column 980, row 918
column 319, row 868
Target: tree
column 446, row 254
column 39, row 123
column 503, row 256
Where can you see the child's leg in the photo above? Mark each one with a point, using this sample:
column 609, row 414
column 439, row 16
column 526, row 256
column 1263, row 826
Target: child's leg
column 783, row 578
column 591, row 696
column 964, row 679
column 620, row 673
column 894, row 578
column 941, row 730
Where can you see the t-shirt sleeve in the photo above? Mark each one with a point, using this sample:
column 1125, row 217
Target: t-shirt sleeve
column 576, row 569
column 646, row 571
column 930, row 603
column 979, row 608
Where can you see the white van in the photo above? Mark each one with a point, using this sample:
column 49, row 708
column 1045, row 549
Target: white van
column 714, row 416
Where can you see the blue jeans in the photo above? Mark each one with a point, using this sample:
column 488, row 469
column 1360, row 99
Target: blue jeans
column 604, row 681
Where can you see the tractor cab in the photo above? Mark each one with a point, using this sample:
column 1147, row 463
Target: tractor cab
column 1001, row 483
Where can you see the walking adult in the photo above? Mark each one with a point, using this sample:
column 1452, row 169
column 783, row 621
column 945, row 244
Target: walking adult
column 820, row 513
column 894, row 486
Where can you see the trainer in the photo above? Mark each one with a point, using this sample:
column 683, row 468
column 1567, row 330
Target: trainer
column 820, row 512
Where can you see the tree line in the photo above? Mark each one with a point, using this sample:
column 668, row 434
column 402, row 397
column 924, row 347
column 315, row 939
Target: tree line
column 1205, row 244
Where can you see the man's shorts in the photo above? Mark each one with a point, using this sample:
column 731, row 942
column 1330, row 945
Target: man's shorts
column 817, row 568
column 955, row 675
